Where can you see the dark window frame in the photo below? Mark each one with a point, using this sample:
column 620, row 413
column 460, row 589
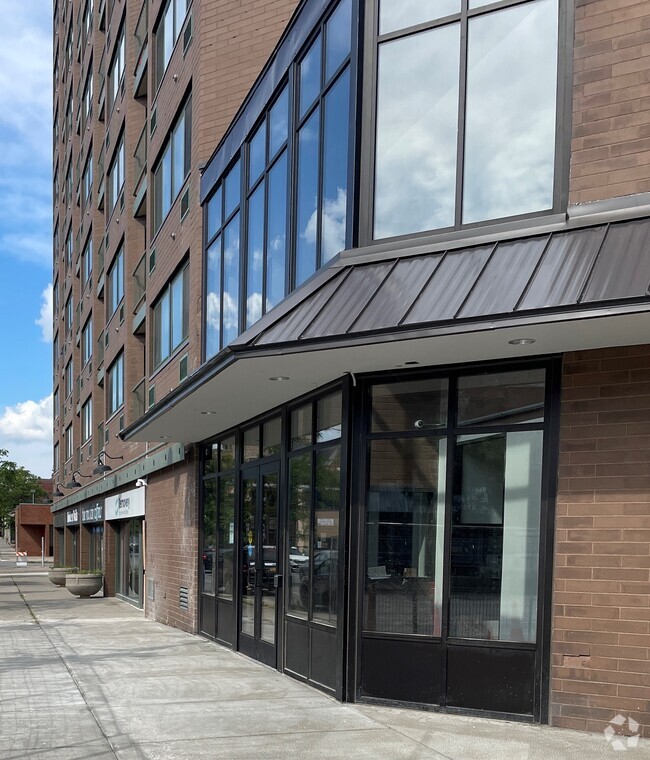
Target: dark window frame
column 182, row 272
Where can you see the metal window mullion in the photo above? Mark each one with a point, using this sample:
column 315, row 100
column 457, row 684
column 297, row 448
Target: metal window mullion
column 462, row 99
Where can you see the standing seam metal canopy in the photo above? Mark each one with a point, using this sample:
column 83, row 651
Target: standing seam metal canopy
column 557, row 271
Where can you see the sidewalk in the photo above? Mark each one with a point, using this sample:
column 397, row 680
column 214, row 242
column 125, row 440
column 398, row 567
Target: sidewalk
column 92, row 679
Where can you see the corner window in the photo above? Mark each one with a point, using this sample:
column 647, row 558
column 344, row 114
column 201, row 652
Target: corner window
column 87, row 100
column 87, row 261
column 68, row 379
column 87, row 181
column 173, row 166
column 166, row 33
column 55, row 458
column 473, row 143
column 116, row 175
column 87, row 342
column 116, row 282
column 171, row 317
column 68, row 443
column 115, row 393
column 87, row 421
column 55, row 403
column 116, row 70
column 69, row 310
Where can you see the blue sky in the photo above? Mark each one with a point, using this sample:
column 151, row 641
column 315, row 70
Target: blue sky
column 26, row 232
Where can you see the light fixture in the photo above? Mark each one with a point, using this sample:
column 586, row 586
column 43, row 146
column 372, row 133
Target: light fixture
column 102, row 467
column 279, row 378
column 74, row 483
column 58, row 493
column 208, row 413
column 164, row 438
column 410, row 364
column 522, row 341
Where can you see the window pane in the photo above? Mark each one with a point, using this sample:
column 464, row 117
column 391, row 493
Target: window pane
column 404, row 536
column 228, row 453
column 157, row 334
column 308, row 140
column 168, row 32
column 495, row 537
column 310, row 70
column 272, row 437
column 178, row 151
column 326, row 536
column 211, row 458
column 328, row 418
column 214, row 214
column 417, row 122
column 164, row 327
column 299, row 534
column 506, row 398
column 166, row 172
column 257, row 154
column 252, row 444
column 276, row 252
column 335, row 168
column 255, row 257
column 279, row 123
column 209, row 509
column 401, row 406
column 213, row 300
column 301, row 427
column 231, row 282
column 233, row 189
column 177, row 311
column 337, row 37
column 400, row 14
column 226, row 536
column 510, row 119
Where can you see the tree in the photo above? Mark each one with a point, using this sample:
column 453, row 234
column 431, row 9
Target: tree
column 17, row 485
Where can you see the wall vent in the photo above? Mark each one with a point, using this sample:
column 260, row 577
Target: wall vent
column 153, row 120
column 151, row 590
column 185, row 203
column 152, row 395
column 121, row 313
column 182, row 368
column 121, row 421
column 187, row 35
column 152, row 261
column 184, row 598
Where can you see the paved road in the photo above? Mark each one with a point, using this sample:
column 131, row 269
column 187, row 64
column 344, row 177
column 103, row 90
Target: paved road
column 93, row 680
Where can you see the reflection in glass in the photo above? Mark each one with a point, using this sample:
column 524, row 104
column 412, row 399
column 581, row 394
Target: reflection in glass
column 510, row 121
column 276, row 252
column 231, row 282
column 301, row 427
column 399, row 406
column 279, row 123
column 257, row 154
column 307, row 207
column 326, row 536
column 211, row 459
column 404, row 536
column 213, row 300
column 251, row 444
column 255, row 257
column 400, row 14
column 495, row 536
column 504, row 398
column 417, row 121
column 228, row 453
column 270, row 554
column 226, row 536
column 249, row 572
column 214, row 214
column 233, row 190
column 328, row 418
column 299, row 534
column 335, row 168
column 310, row 76
column 209, row 523
column 338, row 34
column 272, row 437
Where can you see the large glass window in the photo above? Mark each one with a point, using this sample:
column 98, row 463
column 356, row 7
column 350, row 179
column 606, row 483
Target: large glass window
column 115, row 385
column 87, row 181
column 171, row 317
column 87, row 421
column 116, row 70
column 116, row 176
column 87, row 342
column 167, row 32
column 69, row 445
column 433, row 171
column 250, row 203
column 116, row 282
column 174, row 165
column 87, row 261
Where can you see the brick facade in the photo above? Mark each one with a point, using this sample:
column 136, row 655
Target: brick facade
column 33, row 523
column 601, row 636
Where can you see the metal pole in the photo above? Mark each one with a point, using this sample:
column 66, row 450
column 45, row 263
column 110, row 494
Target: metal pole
column 43, row 551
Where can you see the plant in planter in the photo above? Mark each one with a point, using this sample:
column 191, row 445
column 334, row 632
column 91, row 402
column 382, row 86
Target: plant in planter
column 84, row 582
column 57, row 574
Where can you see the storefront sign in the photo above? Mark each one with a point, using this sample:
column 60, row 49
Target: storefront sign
column 92, row 513
column 122, row 506
column 72, row 517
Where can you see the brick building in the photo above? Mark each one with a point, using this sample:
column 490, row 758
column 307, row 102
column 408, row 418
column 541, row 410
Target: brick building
column 354, row 360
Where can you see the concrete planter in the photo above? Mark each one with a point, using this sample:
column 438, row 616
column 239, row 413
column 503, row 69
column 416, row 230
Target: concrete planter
column 84, row 584
column 57, row 574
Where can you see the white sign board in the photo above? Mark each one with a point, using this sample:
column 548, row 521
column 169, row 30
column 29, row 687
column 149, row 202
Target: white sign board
column 123, row 506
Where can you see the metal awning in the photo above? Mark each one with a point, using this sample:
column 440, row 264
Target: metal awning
column 570, row 290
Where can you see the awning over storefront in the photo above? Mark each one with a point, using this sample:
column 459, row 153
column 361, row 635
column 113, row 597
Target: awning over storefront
column 568, row 290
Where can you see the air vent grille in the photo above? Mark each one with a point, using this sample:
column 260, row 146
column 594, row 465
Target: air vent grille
column 184, row 598
column 185, row 203
column 187, row 35
column 182, row 368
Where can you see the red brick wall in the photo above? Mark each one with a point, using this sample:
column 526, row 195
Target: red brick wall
column 32, row 524
column 611, row 100
column 601, row 636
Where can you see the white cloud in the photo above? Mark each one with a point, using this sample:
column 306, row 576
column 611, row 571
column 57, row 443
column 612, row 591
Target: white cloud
column 26, row 432
column 44, row 320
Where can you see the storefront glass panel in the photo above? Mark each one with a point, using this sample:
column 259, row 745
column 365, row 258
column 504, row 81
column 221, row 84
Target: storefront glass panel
column 226, row 536
column 209, row 509
column 324, row 582
column 299, row 534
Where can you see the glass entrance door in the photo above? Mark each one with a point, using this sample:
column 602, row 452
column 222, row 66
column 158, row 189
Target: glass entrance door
column 259, row 563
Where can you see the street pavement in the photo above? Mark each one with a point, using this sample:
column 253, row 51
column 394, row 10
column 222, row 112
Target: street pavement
column 93, row 679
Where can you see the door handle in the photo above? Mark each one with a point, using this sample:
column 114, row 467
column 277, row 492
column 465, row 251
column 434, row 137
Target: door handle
column 277, row 581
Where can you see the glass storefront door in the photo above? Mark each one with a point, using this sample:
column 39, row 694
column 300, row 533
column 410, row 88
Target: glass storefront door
column 130, row 565
column 259, row 563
